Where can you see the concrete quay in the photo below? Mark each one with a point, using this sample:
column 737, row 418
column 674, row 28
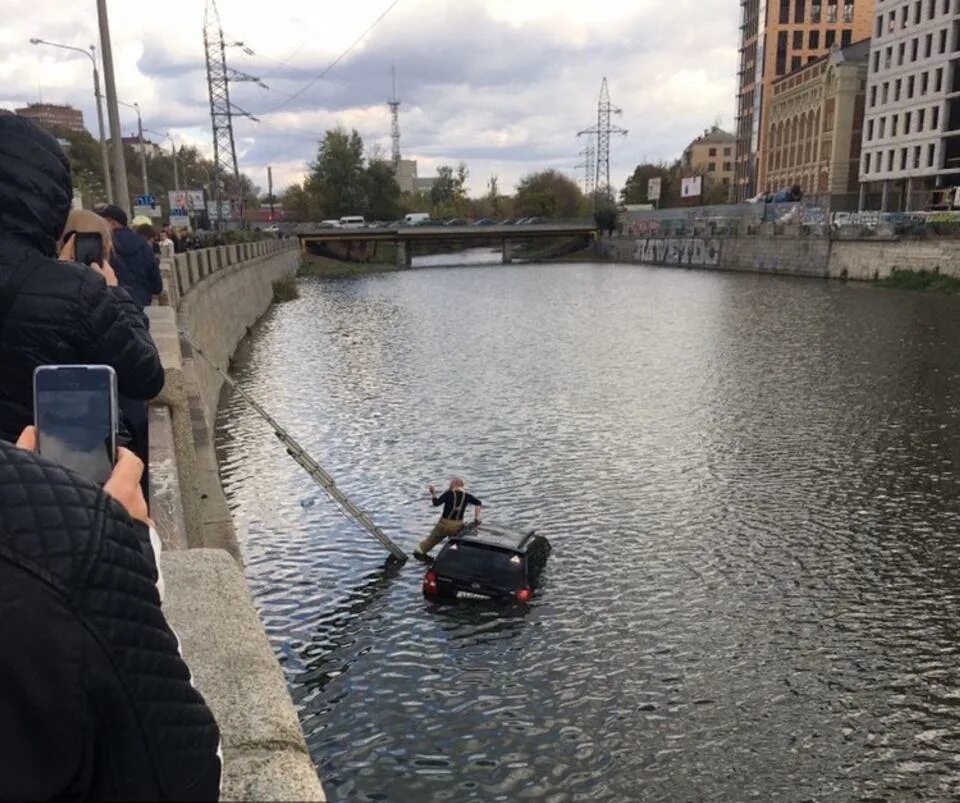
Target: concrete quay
column 216, row 295
column 792, row 250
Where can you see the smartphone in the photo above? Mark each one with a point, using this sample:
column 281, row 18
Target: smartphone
column 75, row 412
column 88, row 247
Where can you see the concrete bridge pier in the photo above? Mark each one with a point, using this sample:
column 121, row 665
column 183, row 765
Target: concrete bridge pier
column 507, row 251
column 404, row 255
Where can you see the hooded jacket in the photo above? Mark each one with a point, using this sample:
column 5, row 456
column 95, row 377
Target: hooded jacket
column 96, row 702
column 138, row 271
column 60, row 313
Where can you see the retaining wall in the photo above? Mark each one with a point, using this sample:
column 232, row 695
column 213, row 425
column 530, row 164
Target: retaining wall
column 792, row 250
column 216, row 295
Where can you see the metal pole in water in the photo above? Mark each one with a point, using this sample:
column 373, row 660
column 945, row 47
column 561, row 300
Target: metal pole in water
column 298, row 453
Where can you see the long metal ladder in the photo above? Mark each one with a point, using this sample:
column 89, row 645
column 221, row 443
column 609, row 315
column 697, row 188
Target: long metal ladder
column 298, row 453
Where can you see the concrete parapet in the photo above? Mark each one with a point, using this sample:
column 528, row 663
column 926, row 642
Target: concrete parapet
column 208, row 604
column 166, row 500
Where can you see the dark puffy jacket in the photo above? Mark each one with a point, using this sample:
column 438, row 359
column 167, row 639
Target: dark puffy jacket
column 138, row 271
column 95, row 700
column 63, row 313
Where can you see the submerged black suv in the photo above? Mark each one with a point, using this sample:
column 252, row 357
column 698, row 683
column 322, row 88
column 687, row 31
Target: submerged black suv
column 488, row 563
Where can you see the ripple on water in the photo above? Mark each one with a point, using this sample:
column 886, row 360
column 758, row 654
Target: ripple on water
column 751, row 488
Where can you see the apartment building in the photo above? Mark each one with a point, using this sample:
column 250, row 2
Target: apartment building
column 711, row 155
column 53, row 117
column 815, row 124
column 911, row 136
column 778, row 37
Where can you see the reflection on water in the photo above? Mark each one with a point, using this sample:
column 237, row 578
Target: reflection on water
column 751, row 488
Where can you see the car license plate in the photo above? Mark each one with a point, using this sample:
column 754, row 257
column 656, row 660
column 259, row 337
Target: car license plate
column 470, row 595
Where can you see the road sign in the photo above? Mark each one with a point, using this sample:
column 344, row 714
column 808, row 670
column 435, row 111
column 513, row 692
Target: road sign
column 149, row 211
column 653, row 189
column 145, row 200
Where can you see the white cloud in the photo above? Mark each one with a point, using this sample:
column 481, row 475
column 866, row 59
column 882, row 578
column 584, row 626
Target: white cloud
column 502, row 85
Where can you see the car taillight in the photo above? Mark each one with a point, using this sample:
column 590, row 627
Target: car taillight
column 524, row 594
column 430, row 583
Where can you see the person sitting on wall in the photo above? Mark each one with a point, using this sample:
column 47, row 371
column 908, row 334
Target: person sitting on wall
column 789, row 196
column 454, row 500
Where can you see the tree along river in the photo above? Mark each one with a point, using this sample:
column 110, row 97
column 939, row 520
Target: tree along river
column 750, row 484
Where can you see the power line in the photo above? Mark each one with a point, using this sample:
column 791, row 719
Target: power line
column 335, row 62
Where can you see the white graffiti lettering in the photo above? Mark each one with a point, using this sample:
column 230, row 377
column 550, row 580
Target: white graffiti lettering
column 678, row 251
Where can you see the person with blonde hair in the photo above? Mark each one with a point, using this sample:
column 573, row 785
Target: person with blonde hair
column 83, row 221
column 454, row 500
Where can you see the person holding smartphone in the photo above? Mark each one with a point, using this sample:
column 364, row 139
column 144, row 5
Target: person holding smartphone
column 53, row 312
column 96, row 701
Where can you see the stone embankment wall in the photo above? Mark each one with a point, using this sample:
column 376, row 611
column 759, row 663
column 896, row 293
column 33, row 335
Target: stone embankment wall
column 792, row 250
column 216, row 295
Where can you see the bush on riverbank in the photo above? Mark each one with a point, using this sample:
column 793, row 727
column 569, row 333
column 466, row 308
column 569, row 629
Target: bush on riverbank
column 923, row 280
column 285, row 290
column 327, row 268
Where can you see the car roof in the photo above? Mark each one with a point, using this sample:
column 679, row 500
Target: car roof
column 499, row 537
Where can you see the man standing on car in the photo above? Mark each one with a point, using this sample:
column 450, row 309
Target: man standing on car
column 454, row 500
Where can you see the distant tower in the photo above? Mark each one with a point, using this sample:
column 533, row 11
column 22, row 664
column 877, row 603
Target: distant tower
column 605, row 109
column 589, row 166
column 222, row 110
column 394, row 105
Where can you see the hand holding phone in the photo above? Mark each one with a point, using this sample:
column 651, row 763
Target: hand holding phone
column 75, row 411
column 88, row 248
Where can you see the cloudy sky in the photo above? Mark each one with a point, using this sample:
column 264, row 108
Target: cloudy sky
column 503, row 85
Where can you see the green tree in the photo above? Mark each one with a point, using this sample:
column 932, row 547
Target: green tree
column 383, row 192
column 449, row 192
column 635, row 189
column 548, row 193
column 338, row 176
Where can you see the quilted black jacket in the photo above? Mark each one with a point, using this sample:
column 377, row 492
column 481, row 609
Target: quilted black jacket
column 63, row 313
column 95, row 700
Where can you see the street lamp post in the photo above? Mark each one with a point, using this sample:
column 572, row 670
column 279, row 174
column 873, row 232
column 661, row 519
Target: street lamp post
column 173, row 154
column 143, row 151
column 121, row 191
column 92, row 55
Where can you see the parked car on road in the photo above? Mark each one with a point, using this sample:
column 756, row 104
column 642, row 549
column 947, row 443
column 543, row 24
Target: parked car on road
column 488, row 563
column 352, row 222
column 413, row 218
column 484, row 221
column 457, row 221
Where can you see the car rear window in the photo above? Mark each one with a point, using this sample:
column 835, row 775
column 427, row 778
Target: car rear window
column 481, row 563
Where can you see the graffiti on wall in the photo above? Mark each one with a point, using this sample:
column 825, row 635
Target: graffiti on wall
column 694, row 251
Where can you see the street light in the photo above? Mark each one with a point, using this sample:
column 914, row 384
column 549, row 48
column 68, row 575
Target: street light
column 143, row 152
column 173, row 154
column 92, row 55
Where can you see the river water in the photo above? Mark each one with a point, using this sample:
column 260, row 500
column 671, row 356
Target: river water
column 751, row 486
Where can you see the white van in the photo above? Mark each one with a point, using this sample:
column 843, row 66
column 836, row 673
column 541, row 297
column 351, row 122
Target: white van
column 413, row 218
column 352, row 222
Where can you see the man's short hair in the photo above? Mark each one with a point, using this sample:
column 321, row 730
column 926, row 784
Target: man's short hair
column 114, row 213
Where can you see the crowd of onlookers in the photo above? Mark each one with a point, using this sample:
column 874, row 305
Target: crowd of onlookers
column 96, row 701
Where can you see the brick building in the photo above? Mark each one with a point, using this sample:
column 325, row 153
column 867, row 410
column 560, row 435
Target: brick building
column 53, row 117
column 815, row 124
column 778, row 37
column 711, row 156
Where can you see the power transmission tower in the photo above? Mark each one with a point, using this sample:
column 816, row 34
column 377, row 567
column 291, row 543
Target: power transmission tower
column 219, row 77
column 603, row 130
column 394, row 104
column 588, row 166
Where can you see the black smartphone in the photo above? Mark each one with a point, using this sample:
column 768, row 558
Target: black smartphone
column 75, row 412
column 89, row 248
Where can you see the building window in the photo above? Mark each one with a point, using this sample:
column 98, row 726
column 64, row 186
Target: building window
column 796, row 63
column 896, row 90
column 931, row 9
column 938, row 80
column 799, row 10
column 890, row 160
column 924, row 82
column 815, row 11
column 916, row 157
column 712, row 167
column 921, row 119
column 876, row 60
column 930, row 154
column 727, row 151
column 903, row 158
column 888, row 58
column 815, row 41
column 727, row 167
column 712, row 152
column 907, row 120
column 848, row 11
column 928, row 46
column 882, row 127
column 830, row 38
column 784, row 12
column 886, row 93
column 873, row 96
column 798, row 40
column 943, row 40
column 781, row 52
column 935, row 118
column 879, row 32
column 911, row 85
column 866, row 163
column 831, row 10
column 846, row 36
column 901, row 53
column 869, row 130
column 894, row 119
column 917, row 12
column 914, row 49
column 946, row 6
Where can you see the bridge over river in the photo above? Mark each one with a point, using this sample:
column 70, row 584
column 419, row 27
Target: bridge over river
column 406, row 238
